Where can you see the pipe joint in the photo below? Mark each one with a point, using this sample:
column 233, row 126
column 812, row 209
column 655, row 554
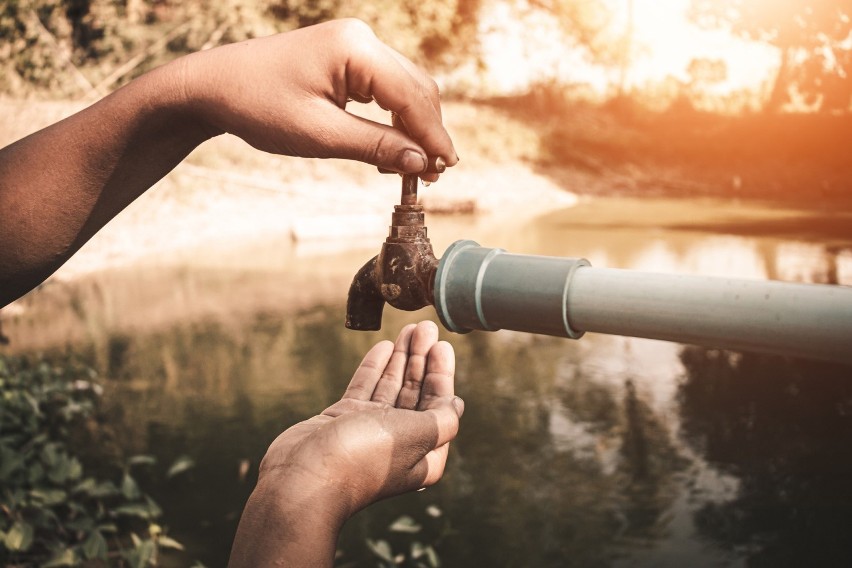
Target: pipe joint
column 490, row 289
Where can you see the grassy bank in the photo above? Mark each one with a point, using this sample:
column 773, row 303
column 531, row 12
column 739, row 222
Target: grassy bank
column 686, row 152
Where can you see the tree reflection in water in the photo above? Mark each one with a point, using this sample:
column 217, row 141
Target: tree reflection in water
column 784, row 428
column 527, row 494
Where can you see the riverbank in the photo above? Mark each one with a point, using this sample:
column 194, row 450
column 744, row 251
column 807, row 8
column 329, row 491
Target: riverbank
column 792, row 158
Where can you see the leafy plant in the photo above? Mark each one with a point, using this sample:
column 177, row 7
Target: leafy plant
column 53, row 511
column 408, row 542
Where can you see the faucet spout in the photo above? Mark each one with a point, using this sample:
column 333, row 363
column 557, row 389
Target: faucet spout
column 365, row 303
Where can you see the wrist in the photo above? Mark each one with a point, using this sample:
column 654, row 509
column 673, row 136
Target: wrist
column 178, row 97
column 289, row 522
column 199, row 81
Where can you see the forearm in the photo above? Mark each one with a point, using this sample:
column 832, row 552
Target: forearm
column 283, row 524
column 60, row 185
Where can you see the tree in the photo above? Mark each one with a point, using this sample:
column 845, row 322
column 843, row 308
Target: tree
column 432, row 33
column 587, row 22
column 814, row 38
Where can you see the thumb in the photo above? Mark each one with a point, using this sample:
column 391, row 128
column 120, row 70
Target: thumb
column 444, row 413
column 356, row 138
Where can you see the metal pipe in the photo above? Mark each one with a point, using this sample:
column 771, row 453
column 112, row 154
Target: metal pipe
column 489, row 289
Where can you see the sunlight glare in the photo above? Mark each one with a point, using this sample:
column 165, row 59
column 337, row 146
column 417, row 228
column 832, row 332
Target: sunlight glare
column 670, row 42
column 521, row 45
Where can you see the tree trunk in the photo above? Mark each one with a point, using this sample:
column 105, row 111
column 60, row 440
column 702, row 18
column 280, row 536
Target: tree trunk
column 624, row 56
column 780, row 89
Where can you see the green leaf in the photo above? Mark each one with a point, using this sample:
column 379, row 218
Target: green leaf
column 39, row 440
column 405, row 524
column 59, row 467
column 49, row 497
column 104, row 489
column 142, row 460
column 36, row 473
column 33, row 403
column 432, row 556
column 180, row 465
column 86, row 486
column 10, row 461
column 417, row 550
column 64, row 557
column 380, row 548
column 75, row 469
column 49, row 455
column 92, row 488
column 129, row 488
column 142, row 554
column 82, row 524
column 95, row 546
column 19, row 537
column 167, row 542
column 153, row 508
column 139, row 510
column 148, row 510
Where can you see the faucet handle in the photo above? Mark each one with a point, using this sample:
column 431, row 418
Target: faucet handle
column 409, row 190
column 434, row 164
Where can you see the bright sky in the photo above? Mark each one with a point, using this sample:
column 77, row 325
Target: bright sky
column 673, row 41
column 520, row 48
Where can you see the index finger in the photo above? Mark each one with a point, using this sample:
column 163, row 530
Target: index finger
column 367, row 374
column 377, row 73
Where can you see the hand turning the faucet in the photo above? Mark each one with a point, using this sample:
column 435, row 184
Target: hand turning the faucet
column 284, row 94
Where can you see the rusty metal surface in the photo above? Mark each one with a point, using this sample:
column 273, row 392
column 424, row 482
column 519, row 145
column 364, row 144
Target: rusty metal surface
column 402, row 274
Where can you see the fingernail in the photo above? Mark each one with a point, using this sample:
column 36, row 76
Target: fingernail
column 458, row 404
column 412, row 162
column 436, row 165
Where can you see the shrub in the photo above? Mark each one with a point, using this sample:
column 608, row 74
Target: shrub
column 53, row 511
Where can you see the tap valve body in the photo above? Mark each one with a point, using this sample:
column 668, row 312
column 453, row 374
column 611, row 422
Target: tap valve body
column 402, row 274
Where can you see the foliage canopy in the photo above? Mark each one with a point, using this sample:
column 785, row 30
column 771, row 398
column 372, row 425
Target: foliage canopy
column 814, row 36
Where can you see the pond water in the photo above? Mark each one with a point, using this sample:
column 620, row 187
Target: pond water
column 607, row 451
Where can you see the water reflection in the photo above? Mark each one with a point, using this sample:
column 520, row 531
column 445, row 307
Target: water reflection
column 606, row 451
column 783, row 430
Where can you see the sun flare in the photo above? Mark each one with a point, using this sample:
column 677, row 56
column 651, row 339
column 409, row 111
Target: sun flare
column 522, row 45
